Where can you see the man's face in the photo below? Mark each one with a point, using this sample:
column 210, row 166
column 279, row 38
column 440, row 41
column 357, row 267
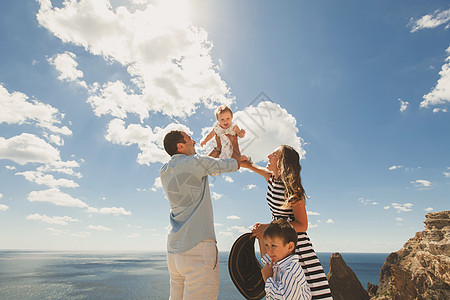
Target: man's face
column 188, row 146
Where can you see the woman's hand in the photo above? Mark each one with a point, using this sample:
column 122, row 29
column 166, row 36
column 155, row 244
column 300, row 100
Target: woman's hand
column 258, row 230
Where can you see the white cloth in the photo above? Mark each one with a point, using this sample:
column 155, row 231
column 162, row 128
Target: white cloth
column 227, row 147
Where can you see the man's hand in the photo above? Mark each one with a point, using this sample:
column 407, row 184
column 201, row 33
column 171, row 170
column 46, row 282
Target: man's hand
column 267, row 271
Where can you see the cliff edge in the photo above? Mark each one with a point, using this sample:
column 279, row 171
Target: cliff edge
column 421, row 269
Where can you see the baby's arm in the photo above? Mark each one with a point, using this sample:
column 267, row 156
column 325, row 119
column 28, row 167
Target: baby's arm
column 207, row 138
column 239, row 132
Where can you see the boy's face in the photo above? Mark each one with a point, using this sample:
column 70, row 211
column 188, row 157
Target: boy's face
column 277, row 249
column 225, row 119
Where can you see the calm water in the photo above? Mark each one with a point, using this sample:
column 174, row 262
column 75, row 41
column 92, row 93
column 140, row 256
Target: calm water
column 140, row 275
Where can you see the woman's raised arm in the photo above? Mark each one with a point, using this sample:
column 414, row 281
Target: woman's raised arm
column 264, row 172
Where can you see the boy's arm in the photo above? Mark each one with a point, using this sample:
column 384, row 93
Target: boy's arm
column 207, row 138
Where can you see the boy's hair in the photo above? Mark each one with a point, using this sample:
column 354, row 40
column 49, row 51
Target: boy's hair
column 171, row 140
column 221, row 109
column 283, row 230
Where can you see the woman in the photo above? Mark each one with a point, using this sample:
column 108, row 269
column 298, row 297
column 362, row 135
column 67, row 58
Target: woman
column 286, row 198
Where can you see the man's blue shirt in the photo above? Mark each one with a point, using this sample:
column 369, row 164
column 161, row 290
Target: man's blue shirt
column 185, row 181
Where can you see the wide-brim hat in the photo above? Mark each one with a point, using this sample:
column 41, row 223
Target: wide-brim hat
column 245, row 269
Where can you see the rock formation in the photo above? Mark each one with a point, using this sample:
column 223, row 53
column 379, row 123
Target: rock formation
column 344, row 284
column 421, row 269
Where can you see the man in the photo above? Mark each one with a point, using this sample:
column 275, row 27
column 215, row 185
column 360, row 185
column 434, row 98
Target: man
column 192, row 256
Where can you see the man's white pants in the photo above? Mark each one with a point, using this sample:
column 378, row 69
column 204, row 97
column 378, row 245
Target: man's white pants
column 194, row 274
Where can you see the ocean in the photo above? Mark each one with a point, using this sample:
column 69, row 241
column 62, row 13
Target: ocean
column 135, row 275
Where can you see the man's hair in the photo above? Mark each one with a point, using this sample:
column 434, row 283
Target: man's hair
column 283, row 230
column 171, row 140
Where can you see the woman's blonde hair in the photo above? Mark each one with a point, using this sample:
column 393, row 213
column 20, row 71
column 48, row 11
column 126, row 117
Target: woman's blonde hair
column 221, row 109
column 289, row 171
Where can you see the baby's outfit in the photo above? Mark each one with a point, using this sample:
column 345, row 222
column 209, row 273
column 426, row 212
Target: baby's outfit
column 227, row 147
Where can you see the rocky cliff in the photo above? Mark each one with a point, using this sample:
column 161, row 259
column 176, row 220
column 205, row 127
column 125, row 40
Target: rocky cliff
column 421, row 269
column 344, row 284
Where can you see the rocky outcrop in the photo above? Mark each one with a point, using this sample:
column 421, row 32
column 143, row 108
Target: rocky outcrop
column 344, row 284
column 421, row 269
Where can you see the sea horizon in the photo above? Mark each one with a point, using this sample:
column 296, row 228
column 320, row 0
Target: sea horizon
column 137, row 274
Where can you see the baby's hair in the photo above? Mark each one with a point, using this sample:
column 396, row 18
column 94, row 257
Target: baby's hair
column 281, row 229
column 221, row 109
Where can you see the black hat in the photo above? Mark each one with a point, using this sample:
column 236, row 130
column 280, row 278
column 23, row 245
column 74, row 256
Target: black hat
column 245, row 269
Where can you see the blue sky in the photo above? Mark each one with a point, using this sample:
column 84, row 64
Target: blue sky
column 88, row 89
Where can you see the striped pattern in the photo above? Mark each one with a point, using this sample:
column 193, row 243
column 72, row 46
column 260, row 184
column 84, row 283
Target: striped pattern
column 315, row 276
column 288, row 281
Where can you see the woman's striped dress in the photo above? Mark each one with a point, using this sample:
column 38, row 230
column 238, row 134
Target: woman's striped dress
column 315, row 276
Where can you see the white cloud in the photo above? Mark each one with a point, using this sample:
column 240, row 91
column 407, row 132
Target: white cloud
column 167, row 58
column 402, row 207
column 148, row 140
column 40, row 178
column 216, row 196
column 403, row 105
column 3, row 207
column 54, row 231
column 226, row 233
column 109, row 211
column 439, row 109
column 240, row 229
column 133, row 235
column 399, row 219
column 422, row 184
column 446, row 174
column 312, row 213
column 431, row 21
column 268, row 126
column 367, row 201
column 10, row 168
column 330, row 221
column 429, row 209
column 56, row 197
column 249, row 187
column 228, row 178
column 99, row 228
column 66, row 65
column 311, row 225
column 65, row 167
column 17, row 108
column 387, row 207
column 26, row 148
column 52, row 220
column 233, row 217
column 395, row 167
column 440, row 93
column 82, row 234
column 157, row 184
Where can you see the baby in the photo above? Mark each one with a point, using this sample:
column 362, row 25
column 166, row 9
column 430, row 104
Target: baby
column 224, row 125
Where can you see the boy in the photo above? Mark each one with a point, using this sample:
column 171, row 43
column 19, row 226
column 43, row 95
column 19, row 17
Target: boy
column 282, row 273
